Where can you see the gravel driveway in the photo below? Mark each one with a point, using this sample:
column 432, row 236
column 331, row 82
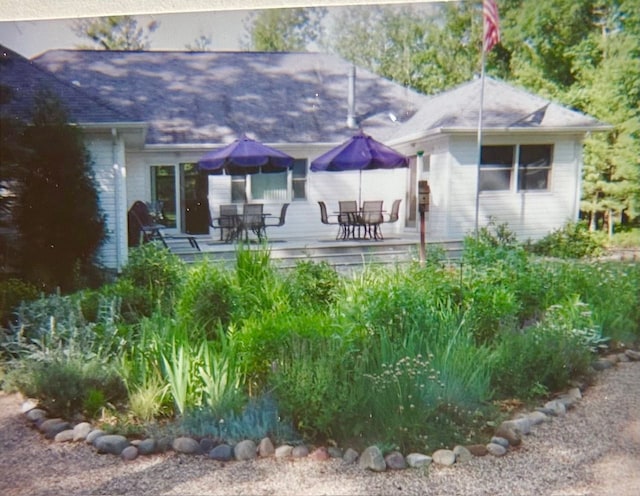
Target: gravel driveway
column 594, row 450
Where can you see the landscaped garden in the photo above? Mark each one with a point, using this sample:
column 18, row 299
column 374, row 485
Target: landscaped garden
column 412, row 356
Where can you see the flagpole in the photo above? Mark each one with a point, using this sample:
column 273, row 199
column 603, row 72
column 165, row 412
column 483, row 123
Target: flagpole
column 479, row 144
column 490, row 36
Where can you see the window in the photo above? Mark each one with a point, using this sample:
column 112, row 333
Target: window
column 496, row 164
column 273, row 186
column 534, row 165
column 497, row 167
column 239, row 189
column 163, row 192
column 299, row 179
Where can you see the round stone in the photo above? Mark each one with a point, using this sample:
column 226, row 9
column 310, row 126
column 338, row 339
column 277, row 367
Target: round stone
column 245, row 450
column 444, row 457
column 496, row 449
column 129, row 453
column 222, row 453
column 372, row 459
column 186, row 445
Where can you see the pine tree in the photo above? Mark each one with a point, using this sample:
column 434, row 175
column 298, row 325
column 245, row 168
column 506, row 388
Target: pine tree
column 57, row 213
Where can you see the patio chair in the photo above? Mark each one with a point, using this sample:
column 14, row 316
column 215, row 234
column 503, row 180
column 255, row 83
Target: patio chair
column 395, row 211
column 280, row 220
column 252, row 219
column 227, row 222
column 348, row 218
column 141, row 226
column 371, row 218
column 324, row 218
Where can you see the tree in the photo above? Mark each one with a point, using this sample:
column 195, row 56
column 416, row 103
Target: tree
column 201, row 44
column 114, row 33
column 284, row 30
column 427, row 50
column 585, row 54
column 57, row 215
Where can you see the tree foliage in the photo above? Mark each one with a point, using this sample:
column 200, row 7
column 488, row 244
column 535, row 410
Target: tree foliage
column 582, row 53
column 284, row 30
column 56, row 213
column 114, row 33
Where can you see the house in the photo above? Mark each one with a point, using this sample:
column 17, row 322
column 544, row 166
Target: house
column 149, row 116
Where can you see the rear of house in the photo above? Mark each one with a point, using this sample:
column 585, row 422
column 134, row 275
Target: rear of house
column 173, row 107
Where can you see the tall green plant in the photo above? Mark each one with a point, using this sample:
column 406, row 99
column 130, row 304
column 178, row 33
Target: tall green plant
column 57, row 212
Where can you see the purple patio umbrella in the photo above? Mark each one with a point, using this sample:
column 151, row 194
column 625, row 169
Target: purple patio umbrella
column 360, row 152
column 245, row 156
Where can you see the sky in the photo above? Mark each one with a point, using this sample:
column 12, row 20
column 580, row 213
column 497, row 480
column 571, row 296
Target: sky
column 30, row 38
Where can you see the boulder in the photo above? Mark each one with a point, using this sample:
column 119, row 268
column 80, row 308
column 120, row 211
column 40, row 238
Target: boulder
column 350, row 456
column 335, row 452
column 633, row 355
column 320, row 454
column 28, row 405
column 509, row 432
column 418, row 460
column 129, row 453
column 147, row 446
column 602, row 364
column 556, row 408
column 537, row 417
column 462, row 454
column 111, row 443
column 222, row 453
column 36, row 414
column 477, row 449
column 81, row 431
column 283, row 451
column 65, row 436
column 206, row 444
column 266, row 448
column 51, row 427
column 444, row 457
column 395, row 461
column 300, row 451
column 245, row 450
column 186, row 445
column 93, row 435
column 501, row 441
column 496, row 449
column 372, row 459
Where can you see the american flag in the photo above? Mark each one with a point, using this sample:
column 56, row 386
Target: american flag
column 491, row 24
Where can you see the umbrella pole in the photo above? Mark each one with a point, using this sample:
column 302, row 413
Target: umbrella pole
column 360, row 189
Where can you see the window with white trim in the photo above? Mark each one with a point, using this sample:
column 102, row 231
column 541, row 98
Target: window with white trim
column 519, row 167
column 275, row 187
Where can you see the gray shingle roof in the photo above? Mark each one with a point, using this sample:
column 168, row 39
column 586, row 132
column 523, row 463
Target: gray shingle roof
column 25, row 80
column 504, row 106
column 213, row 97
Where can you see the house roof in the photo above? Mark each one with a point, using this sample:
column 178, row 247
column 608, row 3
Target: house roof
column 25, row 80
column 505, row 107
column 213, row 97
column 193, row 98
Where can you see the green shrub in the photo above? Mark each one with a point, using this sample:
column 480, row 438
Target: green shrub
column 313, row 382
column 12, row 293
column 313, row 285
column 157, row 273
column 207, row 299
column 65, row 386
column 573, row 240
column 547, row 356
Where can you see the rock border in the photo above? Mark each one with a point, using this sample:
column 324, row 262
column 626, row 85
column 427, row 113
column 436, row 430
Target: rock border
column 507, row 436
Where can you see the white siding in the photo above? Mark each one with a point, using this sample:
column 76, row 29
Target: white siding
column 529, row 214
column 106, row 152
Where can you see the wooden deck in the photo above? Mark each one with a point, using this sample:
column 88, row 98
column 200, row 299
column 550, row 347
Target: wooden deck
column 287, row 252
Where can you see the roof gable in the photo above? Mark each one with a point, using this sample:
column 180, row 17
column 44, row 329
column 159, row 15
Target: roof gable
column 504, row 106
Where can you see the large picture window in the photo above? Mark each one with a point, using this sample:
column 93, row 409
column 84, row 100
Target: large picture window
column 523, row 167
